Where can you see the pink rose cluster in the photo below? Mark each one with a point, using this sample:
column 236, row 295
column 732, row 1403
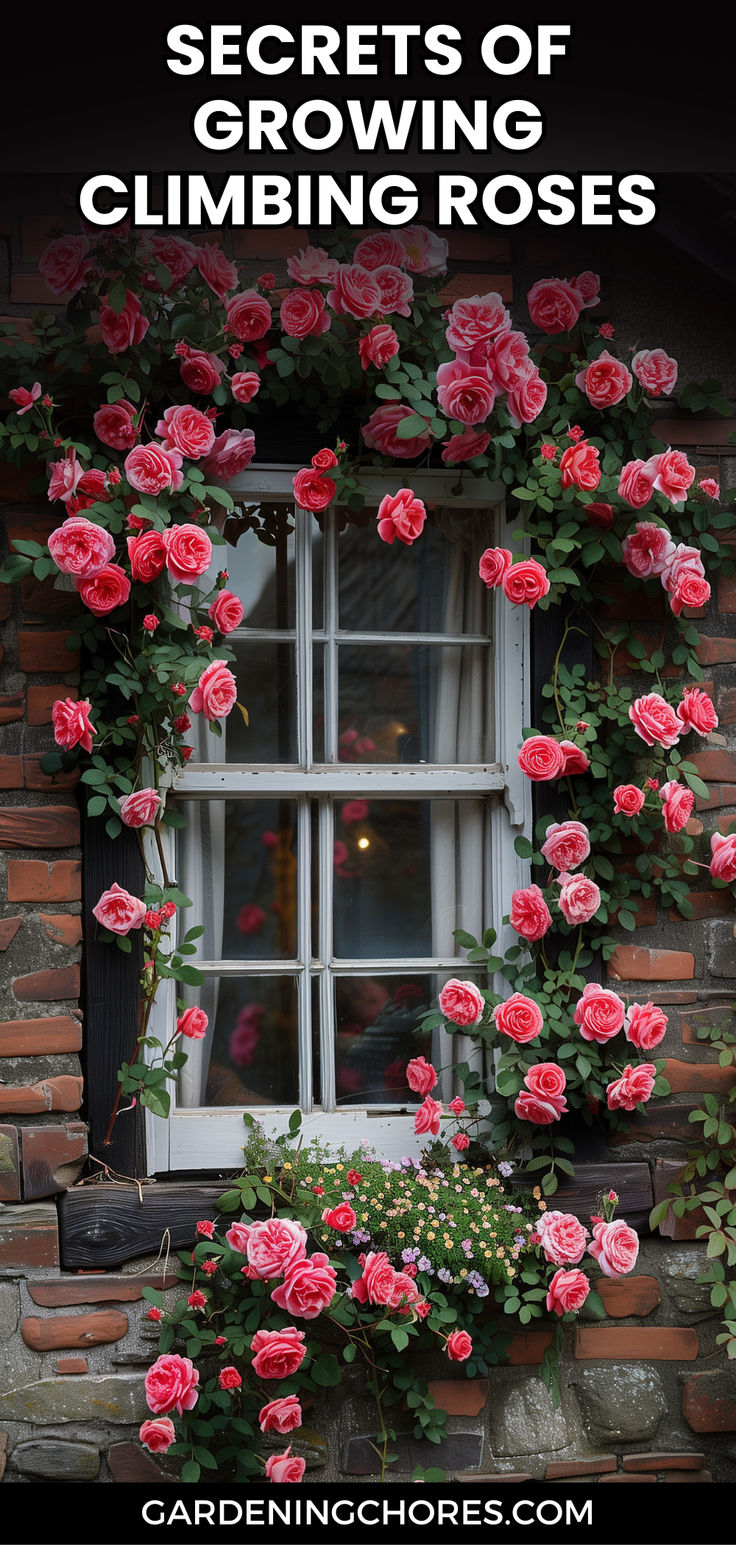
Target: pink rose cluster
column 659, row 724
column 523, row 583
column 491, row 360
column 555, row 304
column 381, row 1284
column 542, row 758
column 650, row 551
column 542, row 1101
column 313, row 489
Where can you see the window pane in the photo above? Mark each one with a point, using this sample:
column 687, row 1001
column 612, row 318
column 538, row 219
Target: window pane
column 253, row 1051
column 430, row 587
column 377, row 1033
column 406, row 873
column 265, row 673
column 261, row 564
column 239, row 858
column 406, row 703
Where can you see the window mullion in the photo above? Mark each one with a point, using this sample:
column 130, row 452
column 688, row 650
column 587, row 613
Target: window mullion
column 304, row 664
column 330, row 655
column 326, row 1001
column 304, row 950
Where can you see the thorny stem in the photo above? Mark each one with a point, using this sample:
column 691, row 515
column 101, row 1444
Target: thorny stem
column 147, row 1015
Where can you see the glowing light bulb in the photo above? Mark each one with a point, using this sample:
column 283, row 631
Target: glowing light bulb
column 363, row 842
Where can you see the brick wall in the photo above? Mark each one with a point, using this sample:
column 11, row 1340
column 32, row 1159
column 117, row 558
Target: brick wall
column 646, row 1395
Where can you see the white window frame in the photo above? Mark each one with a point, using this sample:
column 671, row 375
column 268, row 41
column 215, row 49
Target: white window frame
column 213, row 1137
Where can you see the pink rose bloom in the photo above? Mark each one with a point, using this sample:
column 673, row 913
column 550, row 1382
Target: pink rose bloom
column 567, row 1291
column 525, row 583
column 723, row 861
column 401, row 515
column 461, row 1141
column 140, row 808
column 463, row 393
column 200, row 372
column 691, row 590
column 342, row 1218
column 378, row 346
column 427, row 1117
column 547, row 1081
column 475, row 320
column 273, row 1247
column 526, row 399
column 248, row 316
column 158, row 1435
column 379, row 249
column 579, row 898
column 171, row 1384
column 681, row 560
column 379, row 433
column 600, row 1013
column 579, row 467
column 554, row 305
column 285, row 1467
column 217, row 271
column 632, row 1088
column 588, row 285
column 519, row 1017
column 356, row 292
column 250, row 918
column 186, row 429
column 656, row 371
column 493, row 565
column 541, row 758
column 231, row 453
column 563, row 1238
column 245, row 384
column 23, row 398
column 151, row 470
column 281, row 1415
column 458, row 1346
column 645, row 1025
column 65, row 477
column 655, row 721
column 303, row 314
column 529, row 1107
column 376, row 1286
column 308, row 1287
column 312, row 265
column 278, row 1353
column 464, row 447
column 599, row 515
column 672, row 474
column 216, row 691
column 71, row 723
column 121, row 330
column 177, row 255
column 80, row 547
column 576, row 759
column 420, row 1075
column 147, row 555
column 507, row 359
column 635, row 484
column 188, row 552
column 462, row 1002
column 395, row 289
column 192, row 1024
column 424, row 251
column 229, row 1378
column 312, row 490
column 226, row 611
column 677, row 806
column 530, row 915
column 64, row 265
column 605, row 382
column 710, row 487
column 627, row 799
column 646, row 550
column 566, row 844
column 105, row 591
column 615, row 1247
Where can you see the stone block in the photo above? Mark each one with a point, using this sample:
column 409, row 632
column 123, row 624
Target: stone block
column 29, row 1236
column 118, row 1398
column 130, row 1462
column 55, row 1459
column 523, row 1420
column 622, row 1402
column 709, row 1401
column 9, row 1310
column 457, row 1451
column 721, row 952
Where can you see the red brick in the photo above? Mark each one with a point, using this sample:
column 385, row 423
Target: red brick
column 52, row 1158
column 49, row 986
column 35, row 826
column 74, row 1330
column 9, row 1165
column 660, row 1120
column 528, row 1346
column 716, row 1018
column 40, row 598
column 561, row 1469
column 709, row 1402
column 646, row 911
column 36, row 779
column 46, row 652
column 630, row 963
column 97, row 1287
column 510, row 1478
column 699, row 1476
column 694, row 431
column 30, row 290
column 31, row 879
column 629, row 1295
column 610, row 1480
column 16, row 482
column 11, row 772
column 8, row 929
column 624, row 664
column 707, row 903
column 669, row 1172
column 716, row 651
column 652, row 1343
column 727, row 705
column 682, row 1461
column 65, row 1365
column 41, row 700
column 632, row 605
column 33, row 1037
column 715, row 766
column 26, row 526
column 62, row 927
column 61, row 1093
column 727, row 593
column 459, row 1397
column 718, row 794
column 725, row 823
column 665, row 998
column 11, row 707
column 463, row 285
column 686, row 1076
column 29, row 1236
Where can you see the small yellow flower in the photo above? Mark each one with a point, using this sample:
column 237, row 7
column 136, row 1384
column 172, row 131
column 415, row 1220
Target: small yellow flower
column 267, row 1179
column 286, row 1165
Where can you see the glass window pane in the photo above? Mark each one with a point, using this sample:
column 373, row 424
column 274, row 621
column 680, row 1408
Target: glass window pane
column 239, row 860
column 430, row 587
column 252, row 1048
column 260, row 560
column 377, row 1021
column 406, row 874
column 408, row 703
column 265, row 673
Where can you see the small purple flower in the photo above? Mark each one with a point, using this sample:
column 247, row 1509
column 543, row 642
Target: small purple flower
column 444, row 1275
column 504, row 1168
column 482, row 1289
column 465, row 1244
column 424, row 1265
